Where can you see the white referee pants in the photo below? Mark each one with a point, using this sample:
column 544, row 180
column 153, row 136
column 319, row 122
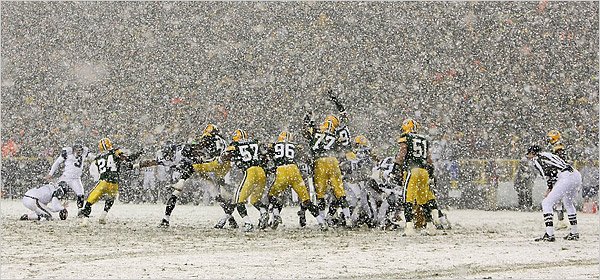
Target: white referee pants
column 565, row 188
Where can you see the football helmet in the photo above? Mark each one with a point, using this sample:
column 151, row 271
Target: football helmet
column 104, row 144
column 61, row 190
column 239, row 135
column 168, row 150
column 331, row 123
column 284, row 136
column 77, row 148
column 409, row 125
column 361, row 140
column 210, row 129
column 553, row 136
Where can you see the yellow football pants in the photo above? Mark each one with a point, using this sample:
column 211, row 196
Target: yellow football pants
column 220, row 169
column 328, row 174
column 289, row 176
column 102, row 188
column 252, row 186
column 416, row 186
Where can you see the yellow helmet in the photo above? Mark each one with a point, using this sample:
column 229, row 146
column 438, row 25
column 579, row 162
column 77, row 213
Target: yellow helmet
column 361, row 140
column 210, row 129
column 239, row 135
column 553, row 136
column 409, row 125
column 284, row 136
column 330, row 124
column 104, row 144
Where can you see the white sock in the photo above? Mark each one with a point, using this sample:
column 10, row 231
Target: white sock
column 247, row 219
column 573, row 229
column 346, row 212
column 262, row 210
column 320, row 220
column 550, row 230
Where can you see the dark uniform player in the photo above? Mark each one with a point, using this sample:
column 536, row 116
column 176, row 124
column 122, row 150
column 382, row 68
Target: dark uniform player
column 180, row 158
column 283, row 154
column 212, row 145
column 248, row 156
column 563, row 183
column 327, row 144
column 554, row 139
column 108, row 165
column 414, row 162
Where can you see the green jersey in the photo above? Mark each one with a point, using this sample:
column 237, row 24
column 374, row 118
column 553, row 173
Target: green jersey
column 417, row 150
column 283, row 153
column 109, row 165
column 245, row 154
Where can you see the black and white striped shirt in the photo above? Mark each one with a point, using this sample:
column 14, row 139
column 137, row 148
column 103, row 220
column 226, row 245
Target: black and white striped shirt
column 550, row 165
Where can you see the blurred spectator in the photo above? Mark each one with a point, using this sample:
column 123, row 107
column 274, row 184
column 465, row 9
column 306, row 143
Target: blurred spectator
column 589, row 191
column 524, row 184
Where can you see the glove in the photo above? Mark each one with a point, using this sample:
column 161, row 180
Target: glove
column 63, row 214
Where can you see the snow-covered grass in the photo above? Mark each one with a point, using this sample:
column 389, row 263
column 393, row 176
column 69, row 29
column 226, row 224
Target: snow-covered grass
column 482, row 245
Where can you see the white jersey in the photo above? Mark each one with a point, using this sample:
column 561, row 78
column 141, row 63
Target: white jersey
column 162, row 159
column 381, row 172
column 45, row 195
column 73, row 164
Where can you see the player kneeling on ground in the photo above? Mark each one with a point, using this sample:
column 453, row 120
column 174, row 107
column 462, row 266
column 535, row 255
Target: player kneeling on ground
column 44, row 200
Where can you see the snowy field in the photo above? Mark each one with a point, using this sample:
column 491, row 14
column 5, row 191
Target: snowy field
column 481, row 245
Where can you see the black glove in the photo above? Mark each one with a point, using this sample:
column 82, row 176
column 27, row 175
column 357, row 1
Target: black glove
column 335, row 101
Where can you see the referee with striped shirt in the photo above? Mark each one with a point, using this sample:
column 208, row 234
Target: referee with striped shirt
column 563, row 183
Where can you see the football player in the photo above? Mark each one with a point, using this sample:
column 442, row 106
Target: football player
column 212, row 145
column 107, row 167
column 359, row 165
column 249, row 156
column 327, row 143
column 563, row 183
column 73, row 158
column 413, row 163
column 554, row 139
column 44, row 200
column 179, row 158
column 287, row 174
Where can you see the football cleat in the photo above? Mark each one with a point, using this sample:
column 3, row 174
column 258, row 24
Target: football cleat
column 276, row 221
column 323, row 227
column 409, row 229
column 248, row 227
column 546, row 238
column 232, row 222
column 572, row 236
column 263, row 221
column 80, row 201
column 302, row 217
column 221, row 223
column 164, row 223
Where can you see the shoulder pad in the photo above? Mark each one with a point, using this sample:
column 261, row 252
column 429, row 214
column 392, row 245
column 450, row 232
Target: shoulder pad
column 230, row 148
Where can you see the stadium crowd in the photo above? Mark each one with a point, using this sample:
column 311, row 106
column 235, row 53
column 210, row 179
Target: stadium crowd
column 486, row 79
